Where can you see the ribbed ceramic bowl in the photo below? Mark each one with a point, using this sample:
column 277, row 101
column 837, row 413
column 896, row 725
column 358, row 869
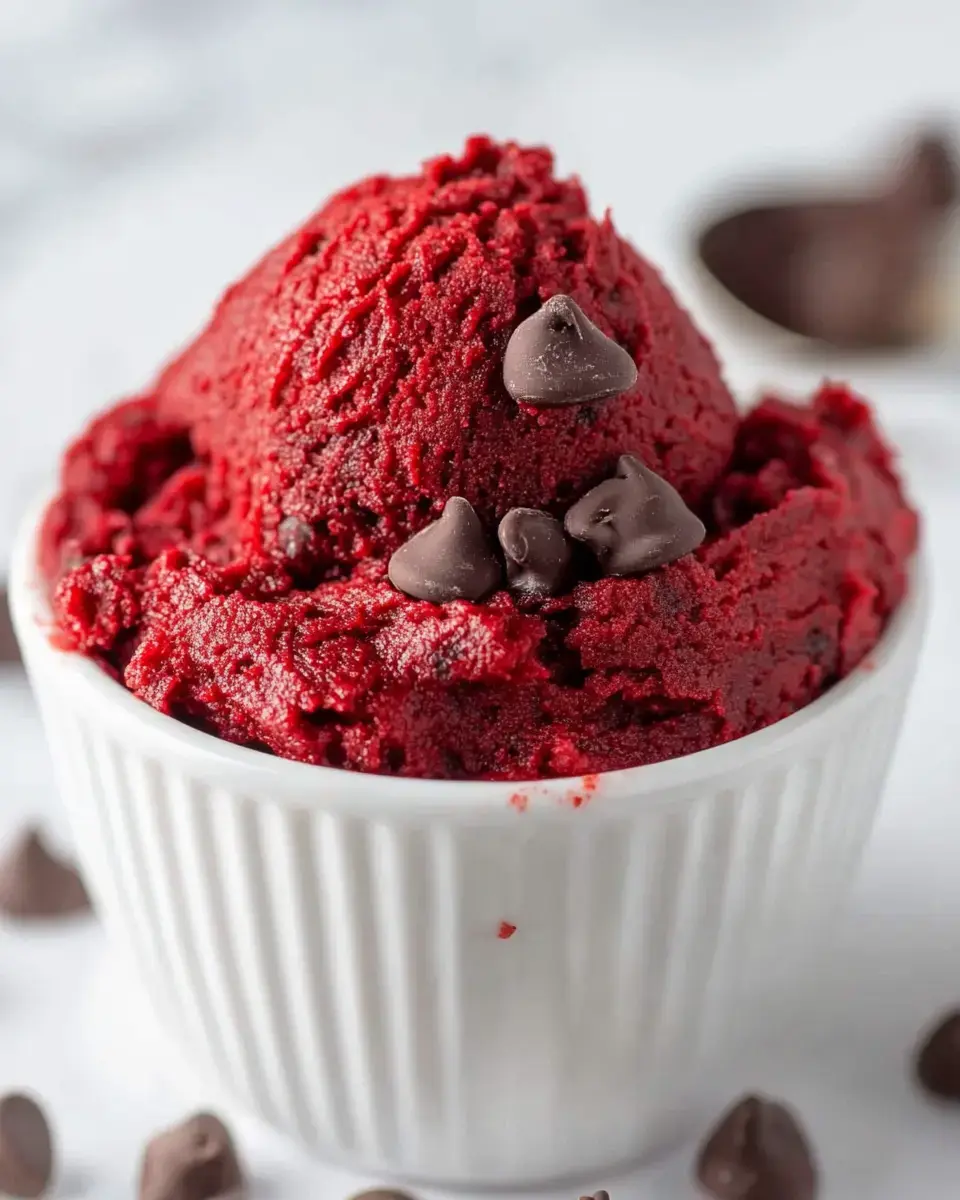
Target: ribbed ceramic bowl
column 332, row 947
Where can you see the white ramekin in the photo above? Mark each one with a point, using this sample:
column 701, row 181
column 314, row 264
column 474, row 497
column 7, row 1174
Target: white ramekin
column 330, row 946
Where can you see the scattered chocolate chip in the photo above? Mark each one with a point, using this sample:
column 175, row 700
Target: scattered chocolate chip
column 382, row 1194
column 601, row 1195
column 26, row 1147
column 842, row 272
column 537, row 551
column 34, row 883
column 449, row 560
column 757, row 1152
column 558, row 356
column 858, row 272
column 858, row 278
column 195, row 1160
column 635, row 521
column 938, row 1058
column 295, row 538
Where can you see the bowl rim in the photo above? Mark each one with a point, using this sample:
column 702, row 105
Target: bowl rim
column 261, row 776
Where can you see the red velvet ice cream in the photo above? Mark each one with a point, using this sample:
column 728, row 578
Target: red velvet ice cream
column 221, row 543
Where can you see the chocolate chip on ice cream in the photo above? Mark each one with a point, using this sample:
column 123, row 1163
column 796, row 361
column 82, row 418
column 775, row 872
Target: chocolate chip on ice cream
column 558, row 356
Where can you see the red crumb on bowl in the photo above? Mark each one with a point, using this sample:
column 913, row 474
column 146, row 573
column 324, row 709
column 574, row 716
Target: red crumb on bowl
column 506, row 930
column 519, row 801
column 588, row 787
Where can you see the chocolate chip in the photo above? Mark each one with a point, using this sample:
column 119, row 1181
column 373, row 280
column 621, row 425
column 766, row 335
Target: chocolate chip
column 449, row 560
column 558, row 356
column 195, row 1160
column 757, row 1152
column 856, row 272
column 537, row 551
column 34, row 883
column 26, row 1147
column 382, row 1194
column 938, row 1059
column 601, row 1195
column 857, row 276
column 635, row 521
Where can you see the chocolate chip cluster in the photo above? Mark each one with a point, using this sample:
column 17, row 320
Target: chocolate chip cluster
column 633, row 522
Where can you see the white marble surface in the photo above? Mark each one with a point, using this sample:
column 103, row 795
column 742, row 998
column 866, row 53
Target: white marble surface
column 149, row 150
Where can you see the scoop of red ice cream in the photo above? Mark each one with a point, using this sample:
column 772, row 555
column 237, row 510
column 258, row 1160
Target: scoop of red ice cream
column 221, row 543
column 353, row 380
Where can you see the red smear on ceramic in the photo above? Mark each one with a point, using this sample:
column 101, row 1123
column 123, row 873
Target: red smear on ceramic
column 506, row 930
column 519, row 801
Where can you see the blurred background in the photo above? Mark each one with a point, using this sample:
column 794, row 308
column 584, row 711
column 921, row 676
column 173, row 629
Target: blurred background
column 151, row 149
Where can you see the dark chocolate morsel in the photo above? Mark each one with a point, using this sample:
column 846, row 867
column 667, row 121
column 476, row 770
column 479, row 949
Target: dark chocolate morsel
column 382, row 1194
column 449, row 560
column 757, row 1152
column 34, row 883
column 558, row 356
column 26, row 1147
column 857, row 279
column 846, row 272
column 635, row 521
column 195, row 1160
column 857, row 271
column 537, row 551
column 601, row 1195
column 938, row 1059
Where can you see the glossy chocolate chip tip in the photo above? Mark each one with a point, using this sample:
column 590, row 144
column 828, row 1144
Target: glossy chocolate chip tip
column 558, row 356
column 635, row 521
column 451, row 559
column 537, row 551
column 757, row 1151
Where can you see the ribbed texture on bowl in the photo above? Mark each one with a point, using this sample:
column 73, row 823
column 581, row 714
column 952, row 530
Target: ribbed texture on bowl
column 346, row 979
